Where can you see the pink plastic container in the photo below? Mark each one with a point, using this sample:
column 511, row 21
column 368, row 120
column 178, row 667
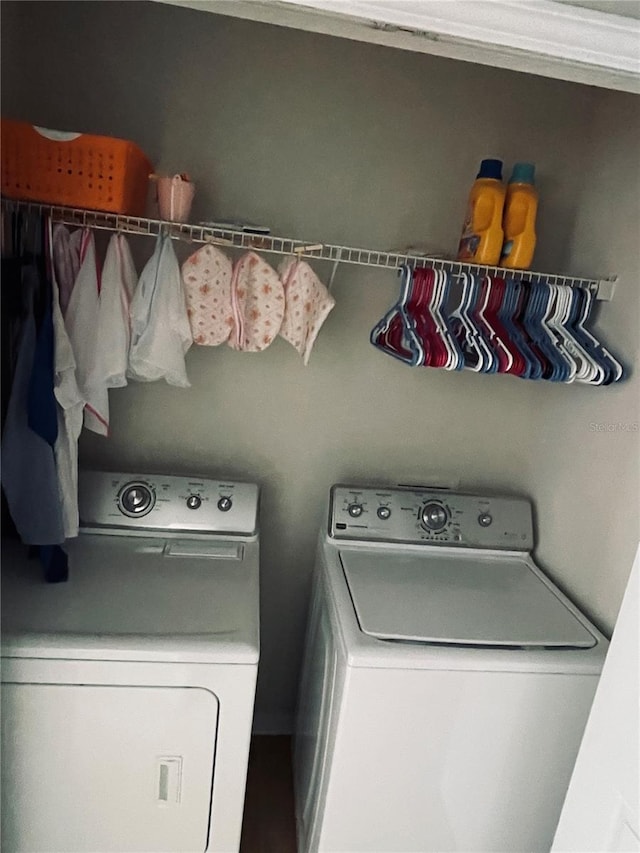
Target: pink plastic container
column 175, row 195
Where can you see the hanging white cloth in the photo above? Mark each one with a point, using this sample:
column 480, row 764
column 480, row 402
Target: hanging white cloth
column 70, row 408
column 81, row 320
column 65, row 252
column 160, row 330
column 113, row 334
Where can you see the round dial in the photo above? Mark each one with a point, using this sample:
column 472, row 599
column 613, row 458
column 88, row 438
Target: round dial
column 384, row 512
column 433, row 516
column 225, row 503
column 194, row 501
column 355, row 510
column 136, row 500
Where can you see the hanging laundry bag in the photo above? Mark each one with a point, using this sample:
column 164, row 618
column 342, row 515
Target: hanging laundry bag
column 257, row 296
column 160, row 331
column 113, row 337
column 206, row 276
column 308, row 303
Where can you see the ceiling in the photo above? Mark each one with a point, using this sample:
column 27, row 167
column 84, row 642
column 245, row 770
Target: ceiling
column 626, row 8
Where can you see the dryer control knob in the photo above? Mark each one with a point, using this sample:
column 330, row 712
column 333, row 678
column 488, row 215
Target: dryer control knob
column 485, row 519
column 355, row 510
column 194, row 501
column 433, row 516
column 224, row 504
column 384, row 512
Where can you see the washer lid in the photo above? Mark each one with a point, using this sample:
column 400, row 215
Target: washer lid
column 474, row 600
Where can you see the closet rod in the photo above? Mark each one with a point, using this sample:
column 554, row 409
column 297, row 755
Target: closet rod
column 602, row 289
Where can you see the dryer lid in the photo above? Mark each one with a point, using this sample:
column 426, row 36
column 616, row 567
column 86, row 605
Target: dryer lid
column 135, row 598
column 471, row 600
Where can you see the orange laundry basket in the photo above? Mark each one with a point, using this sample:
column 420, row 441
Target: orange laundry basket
column 75, row 170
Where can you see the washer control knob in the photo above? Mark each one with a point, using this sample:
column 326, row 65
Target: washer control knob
column 136, row 500
column 225, row 503
column 433, row 516
column 355, row 510
column 485, row 519
column 194, row 501
column 384, row 512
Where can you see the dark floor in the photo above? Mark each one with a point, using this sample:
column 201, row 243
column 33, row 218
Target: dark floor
column 269, row 823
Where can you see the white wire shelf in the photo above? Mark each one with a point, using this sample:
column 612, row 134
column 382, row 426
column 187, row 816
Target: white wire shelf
column 602, row 288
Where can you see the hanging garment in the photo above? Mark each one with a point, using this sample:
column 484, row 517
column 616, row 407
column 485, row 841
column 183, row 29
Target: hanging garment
column 257, row 296
column 65, row 250
column 11, row 318
column 81, row 321
column 160, row 331
column 207, row 285
column 42, row 410
column 28, row 466
column 113, row 334
column 70, row 414
column 307, row 305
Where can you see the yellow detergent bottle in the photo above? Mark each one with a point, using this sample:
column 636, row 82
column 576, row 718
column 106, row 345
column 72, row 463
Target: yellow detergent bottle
column 482, row 234
column 519, row 221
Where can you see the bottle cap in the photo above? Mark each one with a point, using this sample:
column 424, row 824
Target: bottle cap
column 490, row 169
column 523, row 173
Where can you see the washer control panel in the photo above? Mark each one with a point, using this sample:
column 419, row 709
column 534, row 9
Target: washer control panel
column 433, row 517
column 158, row 502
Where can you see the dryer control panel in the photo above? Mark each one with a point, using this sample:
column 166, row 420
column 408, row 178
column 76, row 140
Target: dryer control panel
column 159, row 502
column 433, row 517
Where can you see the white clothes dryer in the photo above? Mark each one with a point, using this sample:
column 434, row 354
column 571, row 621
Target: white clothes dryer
column 446, row 681
column 128, row 691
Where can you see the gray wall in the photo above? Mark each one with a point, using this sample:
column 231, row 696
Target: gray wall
column 587, row 476
column 326, row 139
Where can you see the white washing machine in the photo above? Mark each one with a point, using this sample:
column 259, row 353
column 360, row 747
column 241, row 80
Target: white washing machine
column 128, row 691
column 446, row 681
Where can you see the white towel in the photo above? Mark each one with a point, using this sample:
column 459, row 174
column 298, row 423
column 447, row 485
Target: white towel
column 160, row 330
column 113, row 335
column 81, row 321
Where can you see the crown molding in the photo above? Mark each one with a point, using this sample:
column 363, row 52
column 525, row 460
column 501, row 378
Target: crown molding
column 533, row 36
